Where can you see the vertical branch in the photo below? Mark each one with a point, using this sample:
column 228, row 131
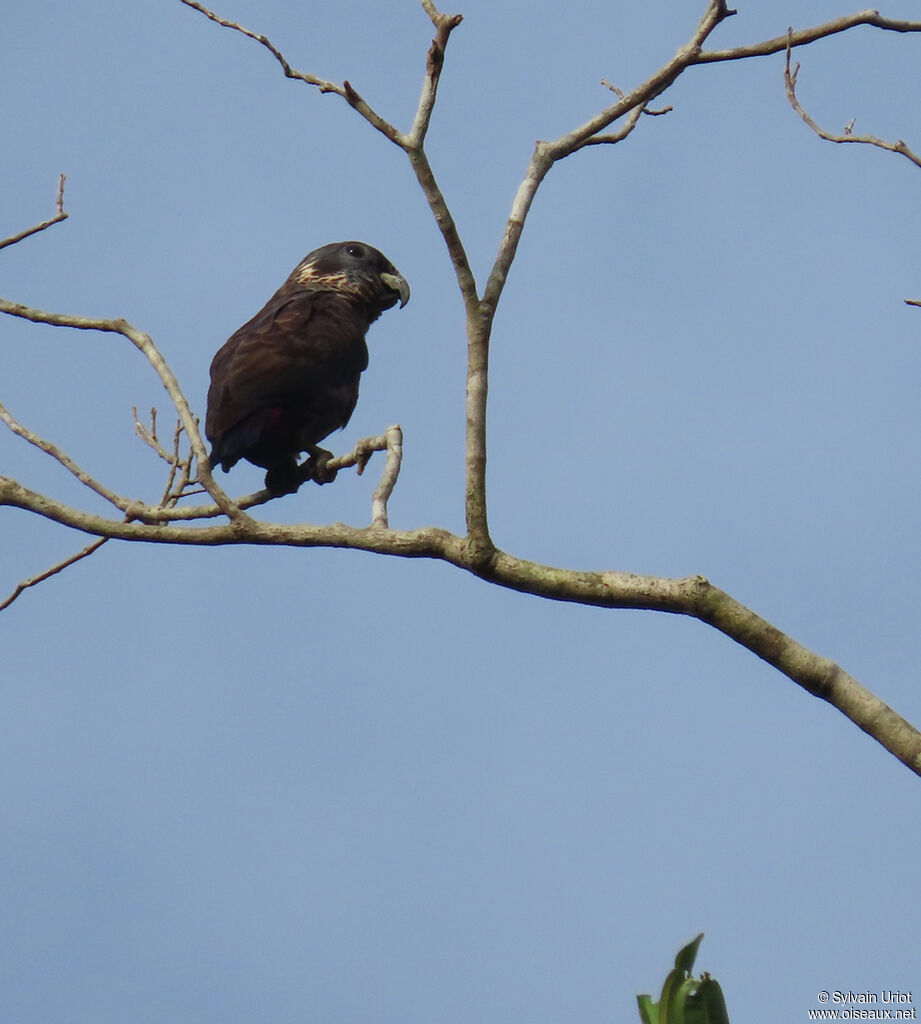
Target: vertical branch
column 439, row 207
column 394, row 440
column 479, row 327
column 444, row 26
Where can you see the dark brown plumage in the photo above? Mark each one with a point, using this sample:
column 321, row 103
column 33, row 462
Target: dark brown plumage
column 289, row 377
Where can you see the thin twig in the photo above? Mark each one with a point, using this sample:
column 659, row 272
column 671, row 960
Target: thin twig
column 630, row 122
column 168, row 512
column 149, row 435
column 290, row 72
column 621, row 94
column 611, row 138
column 182, row 467
column 790, row 78
column 121, row 503
column 56, row 219
column 144, row 344
column 53, row 571
column 345, row 90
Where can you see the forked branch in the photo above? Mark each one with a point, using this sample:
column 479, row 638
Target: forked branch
column 144, row 344
column 43, row 225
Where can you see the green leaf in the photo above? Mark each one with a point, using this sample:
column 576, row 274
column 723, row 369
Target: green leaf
column 684, row 961
column 649, row 1011
column 671, row 999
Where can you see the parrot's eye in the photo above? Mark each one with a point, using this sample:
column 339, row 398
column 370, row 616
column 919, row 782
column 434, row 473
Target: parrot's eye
column 356, row 251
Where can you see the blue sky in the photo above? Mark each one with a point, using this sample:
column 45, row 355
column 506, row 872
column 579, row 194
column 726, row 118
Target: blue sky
column 271, row 785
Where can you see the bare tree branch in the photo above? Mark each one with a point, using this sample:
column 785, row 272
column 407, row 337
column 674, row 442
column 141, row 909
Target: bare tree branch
column 444, row 26
column 548, row 153
column 393, row 440
column 809, row 35
column 390, row 441
column 56, row 219
column 65, row 460
column 180, row 472
column 290, row 72
column 411, row 143
column 692, row 596
column 545, row 155
column 144, row 344
column 697, row 597
column 345, row 90
column 149, row 436
column 53, row 571
column 790, row 79
column 620, row 93
column 611, row 138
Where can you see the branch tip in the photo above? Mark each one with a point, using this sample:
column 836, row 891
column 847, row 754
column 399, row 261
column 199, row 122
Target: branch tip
column 60, row 215
column 32, row 581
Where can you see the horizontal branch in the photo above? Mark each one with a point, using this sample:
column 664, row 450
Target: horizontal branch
column 808, row 35
column 422, row 543
column 691, row 596
column 696, row 597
